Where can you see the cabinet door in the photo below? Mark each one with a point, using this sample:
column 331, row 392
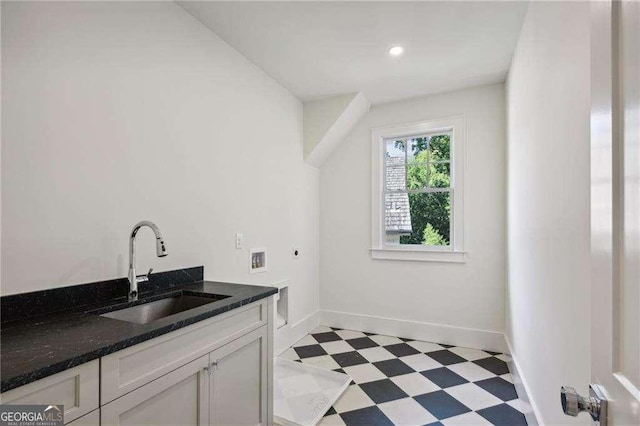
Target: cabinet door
column 180, row 397
column 239, row 381
column 91, row 419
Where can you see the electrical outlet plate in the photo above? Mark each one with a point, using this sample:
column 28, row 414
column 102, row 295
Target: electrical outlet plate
column 239, row 241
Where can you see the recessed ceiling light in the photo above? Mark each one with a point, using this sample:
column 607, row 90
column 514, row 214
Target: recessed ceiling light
column 396, row 51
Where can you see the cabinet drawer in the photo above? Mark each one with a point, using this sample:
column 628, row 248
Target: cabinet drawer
column 126, row 370
column 77, row 389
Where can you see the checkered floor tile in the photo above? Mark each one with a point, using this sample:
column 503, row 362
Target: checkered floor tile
column 400, row 381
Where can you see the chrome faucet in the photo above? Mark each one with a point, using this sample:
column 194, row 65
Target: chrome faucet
column 161, row 251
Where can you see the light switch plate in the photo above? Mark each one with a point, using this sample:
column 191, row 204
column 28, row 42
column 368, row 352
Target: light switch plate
column 239, row 241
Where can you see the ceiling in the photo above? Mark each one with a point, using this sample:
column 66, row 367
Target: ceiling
column 320, row 49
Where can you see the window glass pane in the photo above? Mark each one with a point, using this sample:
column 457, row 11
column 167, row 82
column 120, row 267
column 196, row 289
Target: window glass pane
column 418, row 219
column 397, row 215
column 417, row 176
column 430, row 175
column 439, row 175
column 417, row 150
column 395, row 179
column 394, row 152
column 439, row 147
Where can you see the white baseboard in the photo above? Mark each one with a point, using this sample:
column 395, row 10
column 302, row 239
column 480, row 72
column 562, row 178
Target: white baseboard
column 458, row 336
column 531, row 412
column 289, row 334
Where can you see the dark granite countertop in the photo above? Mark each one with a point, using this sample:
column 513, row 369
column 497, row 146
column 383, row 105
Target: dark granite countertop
column 39, row 346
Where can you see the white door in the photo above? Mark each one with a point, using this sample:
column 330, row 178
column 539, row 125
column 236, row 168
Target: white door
column 615, row 205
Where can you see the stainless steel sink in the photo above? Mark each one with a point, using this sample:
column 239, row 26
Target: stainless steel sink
column 152, row 311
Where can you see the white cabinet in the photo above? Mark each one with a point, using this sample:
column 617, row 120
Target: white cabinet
column 180, row 397
column 160, row 383
column 130, row 368
column 229, row 386
column 239, row 381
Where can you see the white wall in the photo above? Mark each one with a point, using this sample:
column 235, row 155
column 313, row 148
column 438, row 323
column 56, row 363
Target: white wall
column 115, row 112
column 469, row 295
column 320, row 115
column 548, row 306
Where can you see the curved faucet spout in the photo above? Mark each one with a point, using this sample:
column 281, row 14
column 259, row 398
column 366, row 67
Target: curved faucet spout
column 161, row 251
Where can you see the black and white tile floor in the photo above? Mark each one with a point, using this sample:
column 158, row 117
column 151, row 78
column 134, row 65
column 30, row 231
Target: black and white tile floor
column 400, row 381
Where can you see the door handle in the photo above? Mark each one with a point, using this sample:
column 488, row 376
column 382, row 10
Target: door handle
column 595, row 404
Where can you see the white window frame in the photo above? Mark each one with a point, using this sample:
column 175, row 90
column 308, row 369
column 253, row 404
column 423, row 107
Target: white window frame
column 380, row 248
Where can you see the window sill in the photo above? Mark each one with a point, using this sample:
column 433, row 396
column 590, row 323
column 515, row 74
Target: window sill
column 419, row 255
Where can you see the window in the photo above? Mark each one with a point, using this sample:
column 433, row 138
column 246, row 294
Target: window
column 418, row 191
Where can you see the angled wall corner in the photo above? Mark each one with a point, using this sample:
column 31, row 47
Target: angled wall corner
column 328, row 121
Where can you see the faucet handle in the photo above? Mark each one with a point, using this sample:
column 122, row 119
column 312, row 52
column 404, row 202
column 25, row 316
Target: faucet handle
column 144, row 278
